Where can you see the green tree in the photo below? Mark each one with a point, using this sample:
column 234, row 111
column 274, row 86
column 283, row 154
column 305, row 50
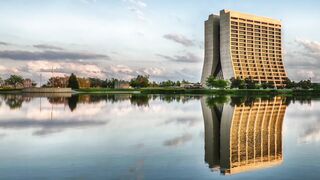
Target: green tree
column 167, row 83
column 266, row 85
column 14, row 80
column 1, row 82
column 237, row 83
column 305, row 84
column 140, row 81
column 216, row 83
column 73, row 82
column 250, row 83
column 96, row 82
column 289, row 84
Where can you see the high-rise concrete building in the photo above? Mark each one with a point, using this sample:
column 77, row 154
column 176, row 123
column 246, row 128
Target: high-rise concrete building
column 244, row 46
column 244, row 137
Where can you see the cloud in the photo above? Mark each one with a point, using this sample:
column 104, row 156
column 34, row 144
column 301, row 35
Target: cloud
column 137, row 3
column 64, row 68
column 8, row 70
column 137, row 7
column 180, row 39
column 302, row 61
column 187, row 58
column 46, row 47
column 178, row 141
column 89, row 1
column 49, row 55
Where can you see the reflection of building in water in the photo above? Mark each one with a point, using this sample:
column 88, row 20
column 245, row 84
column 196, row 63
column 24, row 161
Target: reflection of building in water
column 244, row 138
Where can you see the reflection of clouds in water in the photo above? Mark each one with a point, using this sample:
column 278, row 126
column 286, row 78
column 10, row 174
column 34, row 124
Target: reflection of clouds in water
column 48, row 126
column 121, row 112
column 2, row 135
column 189, row 121
column 135, row 171
column 306, row 120
column 178, row 141
column 59, row 112
column 311, row 133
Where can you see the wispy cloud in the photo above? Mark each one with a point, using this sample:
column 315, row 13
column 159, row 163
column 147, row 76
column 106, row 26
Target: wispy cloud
column 180, row 39
column 49, row 55
column 89, row 1
column 47, row 47
column 186, row 58
column 137, row 7
column 302, row 62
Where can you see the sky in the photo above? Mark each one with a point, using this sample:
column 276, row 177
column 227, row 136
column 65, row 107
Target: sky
column 123, row 38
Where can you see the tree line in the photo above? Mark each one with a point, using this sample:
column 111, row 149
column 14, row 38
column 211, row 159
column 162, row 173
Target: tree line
column 16, row 81
column 249, row 83
column 74, row 82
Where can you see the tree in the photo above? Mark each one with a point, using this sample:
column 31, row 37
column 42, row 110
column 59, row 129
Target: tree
column 250, row 83
column 237, row 83
column 289, row 84
column 167, row 83
column 178, row 83
column 1, row 82
column 73, row 82
column 140, row 81
column 14, row 80
column 266, row 85
column 216, row 83
column 210, row 82
column 271, row 85
column 305, row 84
column 96, row 82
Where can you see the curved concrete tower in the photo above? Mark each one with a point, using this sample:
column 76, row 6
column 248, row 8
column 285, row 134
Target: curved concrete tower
column 243, row 46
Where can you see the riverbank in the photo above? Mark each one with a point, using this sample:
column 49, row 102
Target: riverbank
column 240, row 92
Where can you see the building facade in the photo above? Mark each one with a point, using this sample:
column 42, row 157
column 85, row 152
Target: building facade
column 243, row 46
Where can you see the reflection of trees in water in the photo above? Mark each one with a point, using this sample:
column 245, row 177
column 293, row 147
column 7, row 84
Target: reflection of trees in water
column 140, row 100
column 250, row 100
column 15, row 101
column 72, row 102
column 177, row 98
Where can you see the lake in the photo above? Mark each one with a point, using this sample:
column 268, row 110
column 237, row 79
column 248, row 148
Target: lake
column 64, row 136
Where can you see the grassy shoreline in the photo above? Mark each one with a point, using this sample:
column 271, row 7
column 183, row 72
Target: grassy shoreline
column 242, row 92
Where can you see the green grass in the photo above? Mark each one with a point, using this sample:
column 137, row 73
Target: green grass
column 243, row 92
column 235, row 92
column 106, row 90
column 9, row 90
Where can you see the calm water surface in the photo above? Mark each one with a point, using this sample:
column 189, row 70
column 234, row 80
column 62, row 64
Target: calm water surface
column 158, row 137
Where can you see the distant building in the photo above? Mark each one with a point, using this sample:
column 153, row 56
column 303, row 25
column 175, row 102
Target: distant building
column 121, row 85
column 191, row 85
column 27, row 83
column 84, row 82
column 243, row 46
